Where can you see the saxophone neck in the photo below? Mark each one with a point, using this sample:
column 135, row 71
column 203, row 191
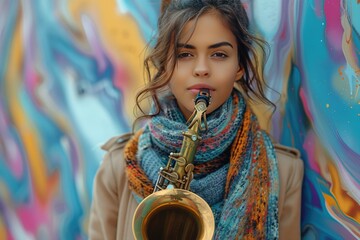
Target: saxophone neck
column 198, row 118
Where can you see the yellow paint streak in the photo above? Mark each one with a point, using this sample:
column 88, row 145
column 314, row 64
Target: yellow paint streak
column 27, row 132
column 122, row 39
column 345, row 202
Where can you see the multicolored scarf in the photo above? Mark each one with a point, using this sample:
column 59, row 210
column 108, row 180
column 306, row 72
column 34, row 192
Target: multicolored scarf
column 235, row 167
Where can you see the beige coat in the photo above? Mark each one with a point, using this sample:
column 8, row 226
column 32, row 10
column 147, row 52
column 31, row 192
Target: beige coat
column 113, row 204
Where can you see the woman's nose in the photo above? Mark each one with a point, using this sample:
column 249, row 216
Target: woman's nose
column 201, row 68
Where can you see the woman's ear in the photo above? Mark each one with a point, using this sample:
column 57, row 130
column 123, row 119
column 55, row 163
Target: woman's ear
column 239, row 74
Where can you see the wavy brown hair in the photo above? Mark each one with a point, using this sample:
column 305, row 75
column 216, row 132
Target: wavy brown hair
column 175, row 15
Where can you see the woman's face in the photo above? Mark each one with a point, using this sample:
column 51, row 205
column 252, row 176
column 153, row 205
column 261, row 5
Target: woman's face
column 207, row 59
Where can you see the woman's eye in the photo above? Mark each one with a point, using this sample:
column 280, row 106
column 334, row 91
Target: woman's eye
column 184, row 55
column 220, row 55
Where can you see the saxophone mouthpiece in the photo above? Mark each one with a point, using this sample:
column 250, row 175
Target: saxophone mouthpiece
column 203, row 96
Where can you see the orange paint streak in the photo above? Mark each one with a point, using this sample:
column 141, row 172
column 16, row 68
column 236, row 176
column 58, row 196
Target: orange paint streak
column 43, row 187
column 3, row 234
column 345, row 202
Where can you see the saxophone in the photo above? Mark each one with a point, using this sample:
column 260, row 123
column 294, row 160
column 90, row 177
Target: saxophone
column 172, row 211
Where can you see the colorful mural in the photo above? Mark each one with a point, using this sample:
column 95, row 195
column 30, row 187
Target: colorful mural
column 69, row 71
column 314, row 71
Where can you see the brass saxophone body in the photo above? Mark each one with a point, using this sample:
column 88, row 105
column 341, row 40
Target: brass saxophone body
column 178, row 173
column 172, row 211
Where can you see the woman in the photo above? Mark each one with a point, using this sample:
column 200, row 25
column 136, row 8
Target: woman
column 252, row 185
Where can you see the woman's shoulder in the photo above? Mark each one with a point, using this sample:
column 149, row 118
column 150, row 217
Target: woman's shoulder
column 287, row 154
column 290, row 164
column 116, row 142
column 114, row 147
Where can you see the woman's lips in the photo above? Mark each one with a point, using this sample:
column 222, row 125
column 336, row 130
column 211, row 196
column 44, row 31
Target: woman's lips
column 197, row 88
column 194, row 90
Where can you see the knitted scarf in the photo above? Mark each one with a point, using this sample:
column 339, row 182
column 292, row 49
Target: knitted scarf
column 235, row 167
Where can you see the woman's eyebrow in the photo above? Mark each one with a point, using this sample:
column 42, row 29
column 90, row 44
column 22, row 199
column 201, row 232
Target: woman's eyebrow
column 185, row 45
column 220, row 44
column 216, row 45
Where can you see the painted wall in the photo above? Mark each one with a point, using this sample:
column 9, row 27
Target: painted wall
column 69, row 71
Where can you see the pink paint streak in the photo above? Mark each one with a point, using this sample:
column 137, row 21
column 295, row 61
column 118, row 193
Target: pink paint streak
column 121, row 77
column 309, row 146
column 334, row 30
column 33, row 215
